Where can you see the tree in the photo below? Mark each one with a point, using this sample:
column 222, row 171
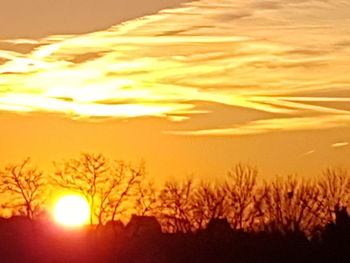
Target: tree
column 23, row 187
column 176, row 207
column 240, row 192
column 291, row 205
column 208, row 203
column 106, row 185
column 146, row 203
column 122, row 192
column 334, row 192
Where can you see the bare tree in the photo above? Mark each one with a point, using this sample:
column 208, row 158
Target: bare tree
column 104, row 184
column 86, row 175
column 121, row 198
column 208, row 203
column 291, row 204
column 23, row 187
column 240, row 192
column 334, row 191
column 187, row 206
column 146, row 202
column 176, row 211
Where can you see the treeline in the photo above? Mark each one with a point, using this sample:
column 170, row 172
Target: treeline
column 116, row 190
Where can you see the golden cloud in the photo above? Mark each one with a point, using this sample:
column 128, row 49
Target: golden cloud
column 280, row 58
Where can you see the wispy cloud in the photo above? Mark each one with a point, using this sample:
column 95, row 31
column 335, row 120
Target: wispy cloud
column 21, row 41
column 340, row 144
column 277, row 124
column 270, row 56
column 308, row 152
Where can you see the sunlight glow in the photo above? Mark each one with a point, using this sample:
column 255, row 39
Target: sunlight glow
column 72, row 210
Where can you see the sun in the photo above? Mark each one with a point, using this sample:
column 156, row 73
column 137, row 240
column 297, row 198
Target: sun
column 72, row 210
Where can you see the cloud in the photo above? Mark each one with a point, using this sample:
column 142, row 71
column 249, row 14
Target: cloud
column 278, row 58
column 309, row 152
column 340, row 144
column 274, row 125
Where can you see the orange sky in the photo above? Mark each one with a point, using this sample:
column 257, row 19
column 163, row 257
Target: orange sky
column 190, row 89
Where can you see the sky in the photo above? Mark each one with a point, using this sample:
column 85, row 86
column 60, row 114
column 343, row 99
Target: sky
column 189, row 87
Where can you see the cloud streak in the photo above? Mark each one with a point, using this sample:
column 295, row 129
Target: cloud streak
column 277, row 124
column 267, row 56
column 340, row 144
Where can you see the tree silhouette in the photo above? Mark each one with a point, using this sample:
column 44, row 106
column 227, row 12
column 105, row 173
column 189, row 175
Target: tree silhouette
column 176, row 206
column 23, row 188
column 86, row 175
column 122, row 192
column 291, row 205
column 208, row 203
column 240, row 192
column 334, row 192
column 146, row 202
column 106, row 185
column 116, row 189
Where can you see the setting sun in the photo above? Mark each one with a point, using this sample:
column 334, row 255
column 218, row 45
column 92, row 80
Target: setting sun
column 72, row 210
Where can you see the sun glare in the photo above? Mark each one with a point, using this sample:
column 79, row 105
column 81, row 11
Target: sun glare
column 72, row 210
